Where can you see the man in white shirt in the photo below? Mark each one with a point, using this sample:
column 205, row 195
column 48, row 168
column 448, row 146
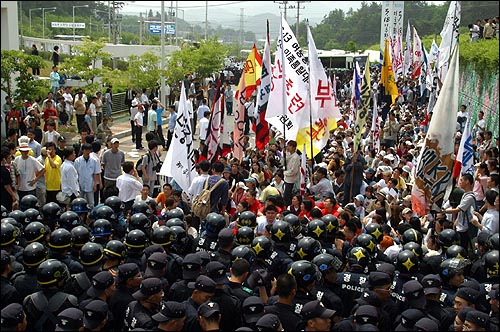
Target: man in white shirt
column 69, row 175
column 68, row 102
column 128, row 185
column 198, row 182
column 139, row 123
column 201, row 113
column 133, row 111
column 152, row 117
column 292, row 170
column 29, row 168
column 204, row 122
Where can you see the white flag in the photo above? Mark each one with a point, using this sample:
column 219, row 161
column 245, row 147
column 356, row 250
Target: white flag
column 289, row 99
column 418, row 57
column 407, row 56
column 179, row 161
column 449, row 36
column 434, row 52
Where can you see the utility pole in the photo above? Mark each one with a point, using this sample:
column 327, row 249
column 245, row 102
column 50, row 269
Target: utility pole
column 141, row 27
column 206, row 20
column 298, row 17
column 285, row 6
column 242, row 18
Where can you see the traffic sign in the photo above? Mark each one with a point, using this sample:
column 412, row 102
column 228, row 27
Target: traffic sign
column 155, row 28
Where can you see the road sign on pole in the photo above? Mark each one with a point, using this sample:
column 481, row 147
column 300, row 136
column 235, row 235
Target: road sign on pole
column 155, row 28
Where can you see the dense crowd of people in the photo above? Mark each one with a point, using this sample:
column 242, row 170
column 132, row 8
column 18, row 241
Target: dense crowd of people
column 89, row 242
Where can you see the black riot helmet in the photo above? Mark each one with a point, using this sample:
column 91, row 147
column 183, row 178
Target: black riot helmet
column 9, row 233
column 80, row 205
column 316, row 229
column 81, row 235
column 244, row 236
column 376, row 231
column 412, row 235
column 32, row 214
column 139, row 221
column 358, row 256
column 51, row 212
column 407, row 262
column 115, row 203
column 115, row 249
column 28, row 202
column 451, row 267
column 34, row 254
column 50, row 272
column 307, row 248
column 368, row 242
column 456, row 251
column 174, row 213
column 101, row 228
column 332, row 225
column 175, row 222
column 135, row 240
column 243, row 252
column 180, row 238
column 416, row 248
column 494, row 241
column 262, row 246
column 327, row 262
column 294, row 222
column 141, row 207
column 69, row 220
column 60, row 239
column 247, row 218
column 281, row 232
column 491, row 263
column 91, row 254
column 4, row 212
column 104, row 212
column 305, row 273
column 35, row 231
column 19, row 216
column 163, row 236
column 214, row 222
column 447, row 238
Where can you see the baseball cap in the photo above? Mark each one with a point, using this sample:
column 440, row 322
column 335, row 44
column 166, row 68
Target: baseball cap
column 170, row 310
column 100, row 282
column 225, row 237
column 127, row 271
column 94, row 313
column 268, row 322
column 12, row 315
column 414, row 294
column 115, row 140
column 191, row 266
column 217, row 271
column 478, row 318
column 426, row 324
column 407, row 169
column 208, row 308
column 148, row 287
column 408, row 319
column 369, row 297
column 241, row 185
column 61, row 138
column 469, row 294
column 360, row 198
column 250, row 179
column 314, row 309
column 407, row 198
column 70, row 319
column 376, row 278
column 432, row 284
column 366, row 314
column 155, row 265
column 227, row 169
column 203, row 284
column 252, row 308
column 407, row 210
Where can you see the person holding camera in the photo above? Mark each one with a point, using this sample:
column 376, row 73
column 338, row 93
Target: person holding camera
column 151, row 164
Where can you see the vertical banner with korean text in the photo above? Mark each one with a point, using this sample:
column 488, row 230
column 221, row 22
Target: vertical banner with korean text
column 288, row 104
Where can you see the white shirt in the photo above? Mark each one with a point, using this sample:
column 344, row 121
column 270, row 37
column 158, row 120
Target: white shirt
column 68, row 99
column 138, row 199
column 197, row 186
column 69, row 179
column 129, row 187
column 201, row 111
column 204, row 128
column 27, row 168
column 139, row 119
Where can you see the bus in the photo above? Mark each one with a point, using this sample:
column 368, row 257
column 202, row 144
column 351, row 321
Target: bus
column 70, row 37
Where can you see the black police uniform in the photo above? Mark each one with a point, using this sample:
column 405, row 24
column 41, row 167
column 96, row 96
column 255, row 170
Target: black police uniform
column 192, row 321
column 179, row 291
column 118, row 302
column 25, row 282
column 444, row 315
column 230, row 309
column 350, row 287
column 290, row 320
column 79, row 283
column 174, row 268
column 9, row 293
column 221, row 255
column 281, row 260
column 447, row 296
column 43, row 307
column 240, row 291
column 397, row 288
column 328, row 297
column 206, row 243
column 138, row 316
column 74, row 266
column 138, row 258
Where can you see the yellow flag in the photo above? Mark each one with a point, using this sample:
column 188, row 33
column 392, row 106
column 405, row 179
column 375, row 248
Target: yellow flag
column 387, row 75
column 252, row 72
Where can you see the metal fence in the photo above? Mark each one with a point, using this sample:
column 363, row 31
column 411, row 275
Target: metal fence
column 119, row 103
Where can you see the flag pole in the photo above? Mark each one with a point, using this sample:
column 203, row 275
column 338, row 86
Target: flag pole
column 310, row 104
column 283, row 83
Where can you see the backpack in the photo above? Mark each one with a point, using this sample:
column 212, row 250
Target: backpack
column 201, row 204
column 138, row 165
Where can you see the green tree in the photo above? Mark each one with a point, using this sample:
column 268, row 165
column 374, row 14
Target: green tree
column 144, row 71
column 16, row 67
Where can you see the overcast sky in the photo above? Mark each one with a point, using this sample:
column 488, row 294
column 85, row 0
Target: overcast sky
column 195, row 10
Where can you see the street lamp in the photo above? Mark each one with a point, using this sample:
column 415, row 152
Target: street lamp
column 83, row 6
column 30, row 15
column 109, row 22
column 51, row 9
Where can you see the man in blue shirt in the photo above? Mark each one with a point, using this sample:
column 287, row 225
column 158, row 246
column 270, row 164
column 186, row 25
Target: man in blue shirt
column 158, row 108
column 171, row 124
